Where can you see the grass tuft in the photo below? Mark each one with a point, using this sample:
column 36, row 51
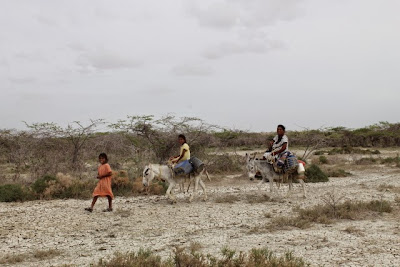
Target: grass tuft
column 182, row 257
column 330, row 213
column 229, row 198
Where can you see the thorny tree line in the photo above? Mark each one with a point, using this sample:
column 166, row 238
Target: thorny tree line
column 48, row 148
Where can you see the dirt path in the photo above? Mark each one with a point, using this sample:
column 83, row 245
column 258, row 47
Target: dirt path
column 151, row 222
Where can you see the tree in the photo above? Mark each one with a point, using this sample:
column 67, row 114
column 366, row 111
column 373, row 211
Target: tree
column 75, row 133
column 160, row 135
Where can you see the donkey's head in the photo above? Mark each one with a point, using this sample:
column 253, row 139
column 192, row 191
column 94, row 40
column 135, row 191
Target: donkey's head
column 250, row 166
column 148, row 175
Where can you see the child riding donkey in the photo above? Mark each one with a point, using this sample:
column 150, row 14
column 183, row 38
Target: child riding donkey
column 278, row 163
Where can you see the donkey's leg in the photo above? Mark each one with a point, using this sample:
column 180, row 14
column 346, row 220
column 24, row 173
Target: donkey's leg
column 271, row 184
column 170, row 191
column 196, row 185
column 203, row 186
column 290, row 182
column 303, row 187
column 181, row 186
column 260, row 183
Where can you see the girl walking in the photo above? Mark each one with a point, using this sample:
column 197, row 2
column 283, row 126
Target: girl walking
column 103, row 188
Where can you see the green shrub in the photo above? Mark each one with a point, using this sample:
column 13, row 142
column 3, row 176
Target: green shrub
column 40, row 185
column 14, row 192
column 323, row 160
column 314, row 174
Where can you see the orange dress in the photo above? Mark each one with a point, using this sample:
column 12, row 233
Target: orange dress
column 103, row 187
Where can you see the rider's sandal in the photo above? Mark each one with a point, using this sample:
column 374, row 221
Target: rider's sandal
column 89, row 209
column 108, row 210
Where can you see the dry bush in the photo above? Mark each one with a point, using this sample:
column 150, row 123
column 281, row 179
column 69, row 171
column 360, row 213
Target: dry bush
column 353, row 230
column 156, row 188
column 352, row 150
column 66, row 186
column 13, row 258
column 267, row 215
column 228, row 198
column 352, row 210
column 388, row 187
column 395, row 161
column 123, row 213
column 252, row 199
column 366, row 161
column 331, row 212
column 142, row 258
column 195, row 247
column 46, row 254
column 285, row 223
column 337, row 173
column 38, row 254
column 181, row 257
column 225, row 163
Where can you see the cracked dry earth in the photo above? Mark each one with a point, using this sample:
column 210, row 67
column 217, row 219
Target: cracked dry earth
column 152, row 222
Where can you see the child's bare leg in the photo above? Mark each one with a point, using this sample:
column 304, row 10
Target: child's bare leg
column 109, row 202
column 94, row 201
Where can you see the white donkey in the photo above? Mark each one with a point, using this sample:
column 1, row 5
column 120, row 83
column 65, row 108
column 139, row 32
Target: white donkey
column 268, row 173
column 164, row 172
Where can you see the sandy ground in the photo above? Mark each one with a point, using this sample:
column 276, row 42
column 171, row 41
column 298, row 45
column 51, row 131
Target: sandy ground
column 152, row 222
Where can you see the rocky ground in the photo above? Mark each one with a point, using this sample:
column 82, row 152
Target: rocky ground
column 231, row 217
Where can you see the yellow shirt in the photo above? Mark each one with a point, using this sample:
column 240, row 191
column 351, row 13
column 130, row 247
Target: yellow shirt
column 187, row 154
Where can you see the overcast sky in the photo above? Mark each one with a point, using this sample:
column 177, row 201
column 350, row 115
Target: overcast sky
column 246, row 64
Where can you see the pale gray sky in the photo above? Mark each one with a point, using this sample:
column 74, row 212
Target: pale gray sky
column 247, row 64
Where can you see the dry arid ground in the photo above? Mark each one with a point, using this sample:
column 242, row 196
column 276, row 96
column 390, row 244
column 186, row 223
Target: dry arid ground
column 236, row 215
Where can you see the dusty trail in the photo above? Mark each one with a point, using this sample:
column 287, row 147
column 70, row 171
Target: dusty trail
column 151, row 222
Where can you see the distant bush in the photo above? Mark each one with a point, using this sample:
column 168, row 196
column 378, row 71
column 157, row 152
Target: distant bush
column 14, row 192
column 337, row 173
column 352, row 150
column 315, row 175
column 225, row 163
column 323, row 160
column 320, row 152
column 366, row 161
column 391, row 160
